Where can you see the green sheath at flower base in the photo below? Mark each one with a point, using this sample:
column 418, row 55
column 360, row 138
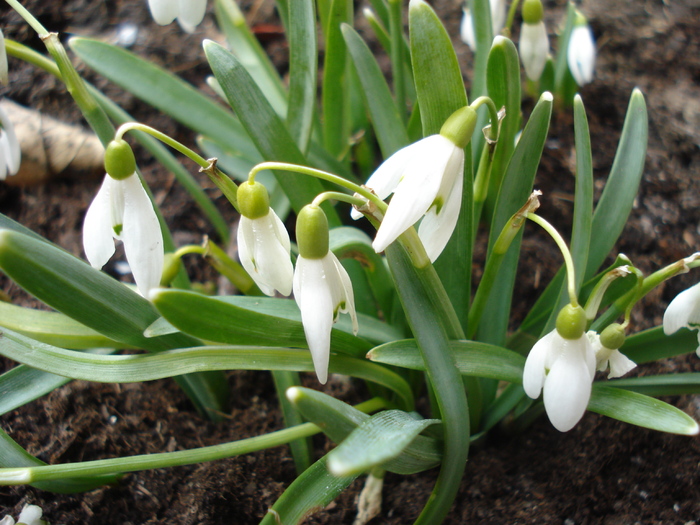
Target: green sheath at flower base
column 532, row 11
column 253, row 200
column 459, row 127
column 312, row 232
column 613, row 336
column 120, row 163
column 571, row 322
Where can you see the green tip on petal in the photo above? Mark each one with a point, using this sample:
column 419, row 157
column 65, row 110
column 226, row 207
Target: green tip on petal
column 253, row 200
column 459, row 127
column 613, row 337
column 571, row 322
column 312, row 232
column 533, row 12
column 120, row 163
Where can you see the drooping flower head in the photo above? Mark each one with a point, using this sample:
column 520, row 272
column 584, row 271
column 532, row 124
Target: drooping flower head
column 426, row 179
column 10, row 154
column 607, row 353
column 534, row 43
column 322, row 287
column 684, row 311
column 563, row 364
column 581, row 51
column 30, row 515
column 122, row 210
column 263, row 241
column 189, row 13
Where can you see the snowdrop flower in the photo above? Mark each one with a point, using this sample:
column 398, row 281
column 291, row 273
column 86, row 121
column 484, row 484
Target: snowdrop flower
column 189, row 13
column 122, row 210
column 322, row 287
column 10, row 154
column 263, row 241
column 581, row 51
column 426, row 179
column 684, row 311
column 30, row 515
column 563, row 364
column 606, row 350
column 498, row 18
column 534, row 43
column 4, row 75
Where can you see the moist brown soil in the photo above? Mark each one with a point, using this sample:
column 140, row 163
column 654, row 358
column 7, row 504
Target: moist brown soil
column 603, row 471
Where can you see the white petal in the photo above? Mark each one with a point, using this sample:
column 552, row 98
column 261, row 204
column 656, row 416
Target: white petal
column 13, row 155
column 7, row 520
column 191, row 13
column 436, row 228
column 142, row 238
column 3, row 156
column 466, row 29
column 581, row 54
column 498, row 15
column 620, row 364
column 683, row 310
column 417, row 190
column 345, row 287
column 30, row 515
column 533, row 48
column 534, row 372
column 98, row 233
column 314, row 297
column 246, row 250
column 163, row 11
column 567, row 388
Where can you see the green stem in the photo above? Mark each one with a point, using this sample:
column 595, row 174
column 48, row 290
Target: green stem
column 397, row 60
column 28, row 17
column 494, row 117
column 334, row 195
column 165, row 139
column 20, row 476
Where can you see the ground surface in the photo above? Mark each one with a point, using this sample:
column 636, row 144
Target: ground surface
column 600, row 472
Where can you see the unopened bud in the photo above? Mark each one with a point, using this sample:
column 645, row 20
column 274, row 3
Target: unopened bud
column 571, row 322
column 120, row 163
column 253, row 200
column 312, row 232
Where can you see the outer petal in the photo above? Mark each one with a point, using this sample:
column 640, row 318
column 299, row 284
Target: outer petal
column 314, row 297
column 466, row 29
column 498, row 15
column 344, row 285
column 683, row 310
column 417, row 191
column 436, row 227
column 163, row 11
column 620, row 364
column 142, row 238
column 534, row 372
column 30, row 515
column 98, row 233
column 534, row 48
column 191, row 13
column 581, row 54
column 10, row 143
column 567, row 388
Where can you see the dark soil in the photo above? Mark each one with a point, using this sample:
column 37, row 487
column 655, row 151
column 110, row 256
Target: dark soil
column 603, row 471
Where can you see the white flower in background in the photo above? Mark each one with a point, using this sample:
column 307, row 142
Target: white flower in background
column 607, row 355
column 684, row 311
column 322, row 287
column 498, row 18
column 122, row 210
column 10, row 154
column 30, row 515
column 189, row 13
column 565, row 369
column 263, row 241
column 581, row 51
column 534, row 43
column 4, row 73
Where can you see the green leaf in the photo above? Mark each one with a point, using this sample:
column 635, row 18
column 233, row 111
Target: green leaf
column 641, row 410
column 652, row 345
column 381, row 438
column 471, row 358
column 662, row 385
column 265, row 127
column 387, row 122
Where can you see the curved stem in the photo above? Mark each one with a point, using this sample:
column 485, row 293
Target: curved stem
column 335, row 195
column 165, row 139
column 494, row 117
column 28, row 17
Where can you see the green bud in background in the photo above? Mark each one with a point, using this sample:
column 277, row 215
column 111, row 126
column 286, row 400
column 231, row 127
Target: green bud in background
column 459, row 127
column 253, row 200
column 120, row 162
column 571, row 322
column 613, row 336
column 312, row 232
column 532, row 11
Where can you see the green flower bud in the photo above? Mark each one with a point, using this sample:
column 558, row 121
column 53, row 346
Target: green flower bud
column 171, row 267
column 459, row 127
column 253, row 200
column 613, row 336
column 312, row 232
column 532, row 12
column 119, row 160
column 571, row 322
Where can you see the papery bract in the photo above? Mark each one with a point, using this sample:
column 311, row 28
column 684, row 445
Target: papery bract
column 122, row 210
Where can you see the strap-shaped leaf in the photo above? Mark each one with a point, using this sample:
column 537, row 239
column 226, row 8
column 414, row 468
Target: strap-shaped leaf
column 662, row 385
column 652, row 345
column 638, row 409
column 376, row 441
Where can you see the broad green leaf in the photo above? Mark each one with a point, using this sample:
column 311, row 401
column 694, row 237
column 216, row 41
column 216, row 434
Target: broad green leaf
column 652, row 345
column 470, row 357
column 376, row 441
column 638, row 409
column 388, row 126
column 265, row 127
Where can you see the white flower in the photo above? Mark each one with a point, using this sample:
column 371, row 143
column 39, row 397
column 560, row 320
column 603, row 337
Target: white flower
column 534, row 49
column 322, row 289
column 123, row 211
column 30, row 515
column 498, row 18
column 581, row 54
column 565, row 368
column 189, row 13
column 618, row 362
column 263, row 247
column 684, row 311
column 10, row 154
column 426, row 179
